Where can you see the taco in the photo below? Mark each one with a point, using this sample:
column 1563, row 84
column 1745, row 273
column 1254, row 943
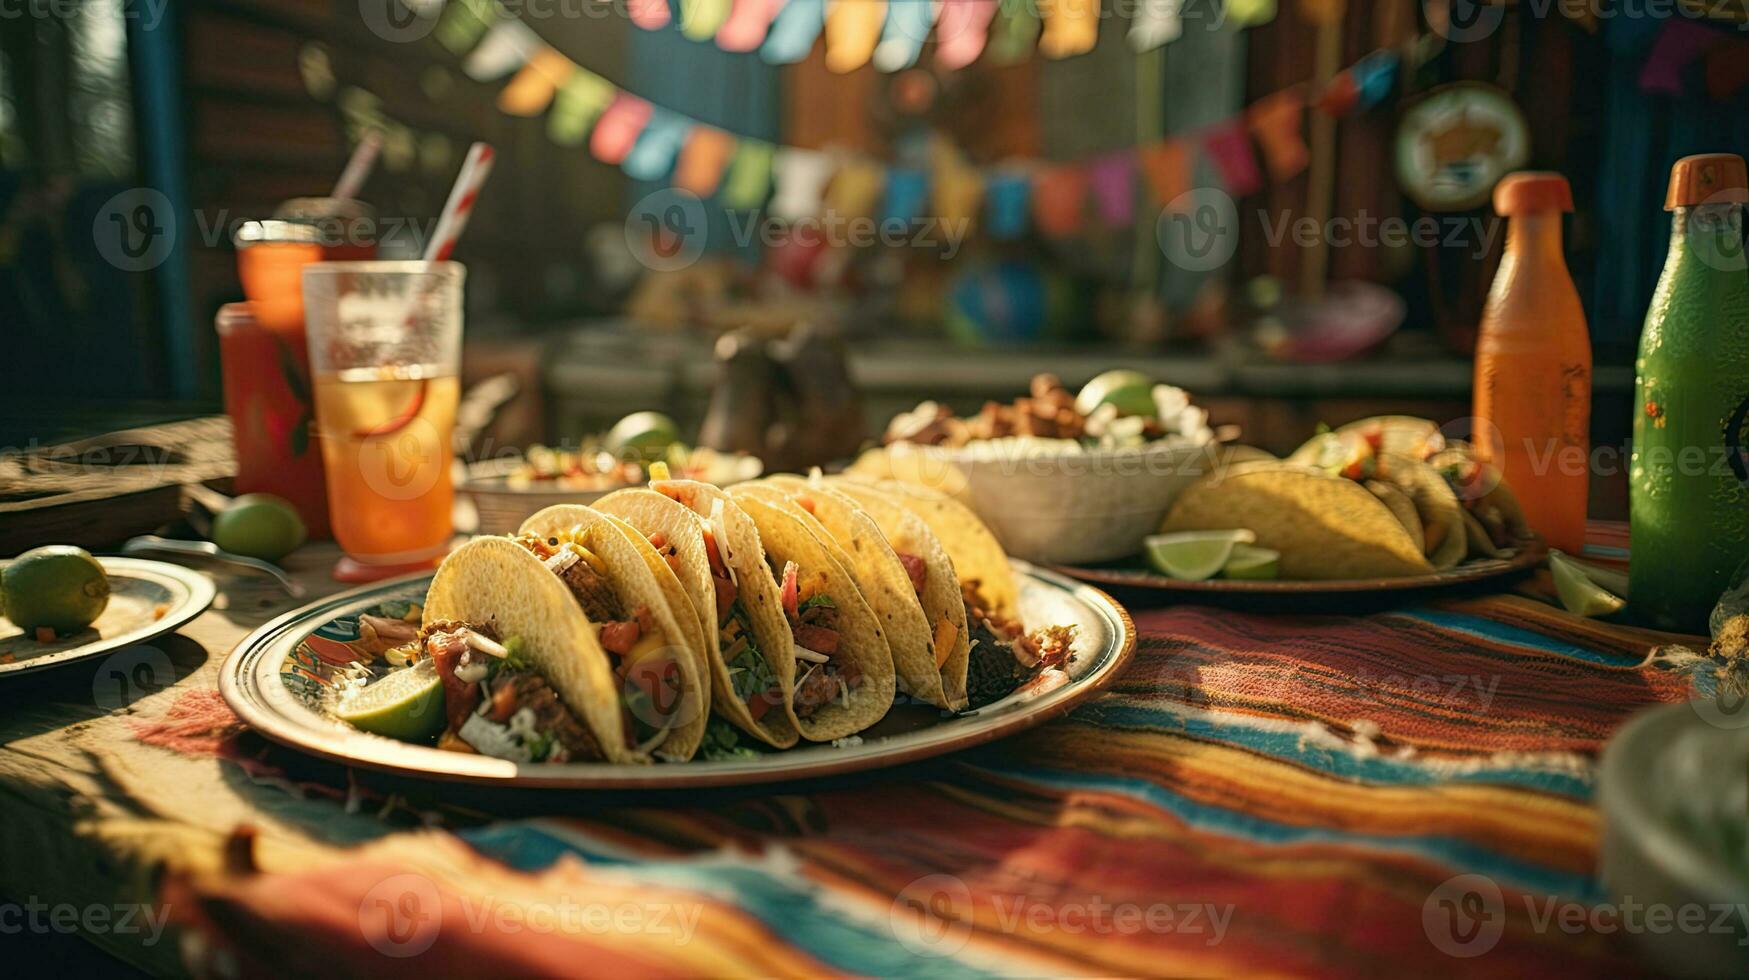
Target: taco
column 714, row 550
column 844, row 680
column 976, row 554
column 524, row 675
column 1325, row 526
column 928, row 648
column 998, row 653
column 1366, row 452
column 1491, row 508
column 633, row 598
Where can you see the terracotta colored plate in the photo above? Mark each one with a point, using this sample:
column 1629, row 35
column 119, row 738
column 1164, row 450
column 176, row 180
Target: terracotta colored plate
column 1470, row 572
column 138, row 589
column 277, row 682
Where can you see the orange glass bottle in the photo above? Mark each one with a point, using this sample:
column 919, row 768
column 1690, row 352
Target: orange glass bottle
column 1533, row 364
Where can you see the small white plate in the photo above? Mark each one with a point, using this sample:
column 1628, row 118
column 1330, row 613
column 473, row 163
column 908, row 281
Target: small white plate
column 138, row 590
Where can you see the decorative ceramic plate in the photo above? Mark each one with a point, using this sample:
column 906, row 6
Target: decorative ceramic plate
column 282, row 679
column 1469, row 572
column 146, row 599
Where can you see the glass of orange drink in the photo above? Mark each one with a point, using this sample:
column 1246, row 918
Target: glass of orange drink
column 385, row 351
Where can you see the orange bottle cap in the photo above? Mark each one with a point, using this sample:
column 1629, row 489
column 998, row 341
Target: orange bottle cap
column 1529, row 191
column 1709, row 178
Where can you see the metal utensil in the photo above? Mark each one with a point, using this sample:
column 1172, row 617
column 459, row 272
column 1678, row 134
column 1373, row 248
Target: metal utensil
column 206, row 549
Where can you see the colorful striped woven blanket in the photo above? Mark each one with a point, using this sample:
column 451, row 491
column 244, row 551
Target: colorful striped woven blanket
column 1399, row 792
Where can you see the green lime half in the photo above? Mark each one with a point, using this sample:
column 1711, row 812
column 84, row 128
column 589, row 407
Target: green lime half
column 1578, row 592
column 648, row 434
column 405, row 705
column 1194, row 556
column 1252, row 563
column 259, row 525
column 1131, row 391
column 57, row 586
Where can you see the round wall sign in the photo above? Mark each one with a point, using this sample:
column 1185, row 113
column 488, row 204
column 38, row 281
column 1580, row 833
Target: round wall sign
column 1457, row 142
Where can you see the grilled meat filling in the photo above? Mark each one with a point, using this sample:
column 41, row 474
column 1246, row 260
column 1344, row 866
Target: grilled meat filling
column 505, row 690
column 593, row 592
column 551, row 717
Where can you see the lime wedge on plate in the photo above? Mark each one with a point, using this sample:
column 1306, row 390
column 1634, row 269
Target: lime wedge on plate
column 405, row 705
column 1251, row 563
column 1194, row 556
column 1579, row 592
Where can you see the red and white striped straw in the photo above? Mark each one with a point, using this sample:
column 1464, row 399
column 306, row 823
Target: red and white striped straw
column 475, row 169
column 364, row 156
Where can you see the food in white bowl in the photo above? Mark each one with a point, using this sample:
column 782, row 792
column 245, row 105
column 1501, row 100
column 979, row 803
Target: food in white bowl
column 1059, row 479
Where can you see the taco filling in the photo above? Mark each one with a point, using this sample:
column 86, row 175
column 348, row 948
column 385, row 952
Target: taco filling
column 1003, row 655
column 812, row 623
column 945, row 632
column 650, row 682
column 749, row 673
column 494, row 703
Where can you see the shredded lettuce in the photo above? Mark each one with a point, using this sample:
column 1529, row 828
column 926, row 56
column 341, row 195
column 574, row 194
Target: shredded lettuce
column 518, row 654
column 749, row 674
column 818, row 600
column 722, row 741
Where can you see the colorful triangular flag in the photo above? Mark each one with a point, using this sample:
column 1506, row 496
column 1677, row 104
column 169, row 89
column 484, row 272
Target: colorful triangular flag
column 1059, row 194
column 1276, row 122
column 749, row 179
column 1007, row 201
column 533, row 88
column 853, row 27
column 800, row 177
column 748, row 21
column 702, row 159
column 1156, row 22
column 1113, row 180
column 793, row 31
column 652, row 156
column 618, row 130
column 576, row 106
column 507, row 46
column 961, row 30
column 1229, row 146
column 908, row 25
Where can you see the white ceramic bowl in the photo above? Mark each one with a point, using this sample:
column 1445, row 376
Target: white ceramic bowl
column 1056, row 503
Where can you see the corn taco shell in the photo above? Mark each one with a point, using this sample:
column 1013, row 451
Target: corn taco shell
column 1402, row 508
column 1325, row 526
column 682, row 511
column 906, row 534
column 1402, row 435
column 497, row 582
column 976, row 554
column 1446, row 542
column 926, row 671
column 863, row 660
column 642, row 578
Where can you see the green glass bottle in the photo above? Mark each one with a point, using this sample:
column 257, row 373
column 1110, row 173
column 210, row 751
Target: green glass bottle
column 1689, row 475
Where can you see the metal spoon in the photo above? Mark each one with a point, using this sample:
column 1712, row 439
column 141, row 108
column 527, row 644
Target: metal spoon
column 206, row 549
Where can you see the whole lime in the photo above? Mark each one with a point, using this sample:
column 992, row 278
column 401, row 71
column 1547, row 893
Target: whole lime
column 1131, row 391
column 259, row 525
column 646, row 434
column 57, row 586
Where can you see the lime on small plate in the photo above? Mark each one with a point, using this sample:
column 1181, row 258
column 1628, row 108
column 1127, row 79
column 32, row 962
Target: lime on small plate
column 1194, row 556
column 406, row 705
column 1252, row 563
column 1581, row 589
